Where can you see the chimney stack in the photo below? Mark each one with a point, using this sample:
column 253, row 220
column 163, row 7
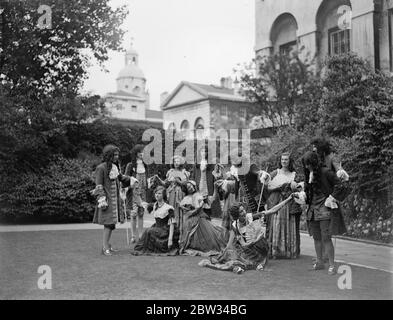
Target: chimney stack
column 237, row 87
column 226, row 82
column 222, row 81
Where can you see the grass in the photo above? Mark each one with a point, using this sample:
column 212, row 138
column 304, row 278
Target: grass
column 79, row 271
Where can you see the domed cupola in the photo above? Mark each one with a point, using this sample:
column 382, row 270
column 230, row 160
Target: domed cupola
column 131, row 78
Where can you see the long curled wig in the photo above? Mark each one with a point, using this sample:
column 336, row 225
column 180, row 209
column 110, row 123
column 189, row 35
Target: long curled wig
column 135, row 150
column 323, row 147
column 234, row 211
column 311, row 158
column 108, row 156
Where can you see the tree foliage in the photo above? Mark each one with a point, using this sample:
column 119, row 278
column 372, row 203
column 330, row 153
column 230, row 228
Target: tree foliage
column 42, row 71
column 56, row 59
column 276, row 84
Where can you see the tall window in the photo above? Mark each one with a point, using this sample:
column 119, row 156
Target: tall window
column 339, row 41
column 242, row 113
column 134, row 108
column 224, row 111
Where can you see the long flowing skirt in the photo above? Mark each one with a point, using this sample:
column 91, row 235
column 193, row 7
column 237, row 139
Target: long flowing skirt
column 155, row 241
column 248, row 257
column 201, row 237
column 282, row 235
column 175, row 196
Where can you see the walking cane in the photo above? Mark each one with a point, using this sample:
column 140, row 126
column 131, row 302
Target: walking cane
column 260, row 197
column 125, row 216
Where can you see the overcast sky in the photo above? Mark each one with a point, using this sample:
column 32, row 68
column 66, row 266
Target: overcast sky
column 192, row 40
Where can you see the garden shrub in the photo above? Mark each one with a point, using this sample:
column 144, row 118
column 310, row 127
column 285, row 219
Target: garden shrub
column 60, row 194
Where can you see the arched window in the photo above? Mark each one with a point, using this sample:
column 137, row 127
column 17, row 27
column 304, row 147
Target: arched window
column 283, row 34
column 200, row 128
column 199, row 124
column 172, row 126
column 332, row 39
column 185, row 125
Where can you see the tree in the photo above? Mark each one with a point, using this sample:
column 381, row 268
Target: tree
column 276, row 85
column 375, row 140
column 51, row 59
column 346, row 86
column 42, row 70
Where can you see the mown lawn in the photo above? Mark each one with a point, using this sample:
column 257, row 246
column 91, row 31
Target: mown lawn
column 80, row 272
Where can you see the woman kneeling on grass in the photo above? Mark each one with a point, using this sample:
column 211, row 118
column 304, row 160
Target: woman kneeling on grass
column 110, row 209
column 247, row 248
column 162, row 237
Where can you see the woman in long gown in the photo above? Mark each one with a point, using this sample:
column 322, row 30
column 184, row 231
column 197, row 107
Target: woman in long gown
column 203, row 175
column 201, row 237
column 163, row 236
column 176, row 177
column 247, row 248
column 284, row 233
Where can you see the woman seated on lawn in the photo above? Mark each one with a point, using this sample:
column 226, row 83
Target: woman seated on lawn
column 201, row 237
column 163, row 236
column 247, row 248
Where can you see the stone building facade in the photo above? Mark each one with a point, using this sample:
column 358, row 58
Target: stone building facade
column 193, row 106
column 327, row 27
column 130, row 104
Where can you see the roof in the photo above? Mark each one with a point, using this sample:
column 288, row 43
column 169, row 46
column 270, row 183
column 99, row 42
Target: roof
column 212, row 89
column 154, row 114
column 207, row 91
column 122, row 93
column 131, row 71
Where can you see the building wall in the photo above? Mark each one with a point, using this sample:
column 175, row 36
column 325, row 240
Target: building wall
column 234, row 120
column 313, row 35
column 190, row 112
column 122, row 109
column 385, row 44
column 128, row 85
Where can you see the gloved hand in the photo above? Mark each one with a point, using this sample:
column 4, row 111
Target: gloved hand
column 331, row 203
column 264, row 177
column 300, row 197
column 133, row 182
column 102, row 204
column 342, row 175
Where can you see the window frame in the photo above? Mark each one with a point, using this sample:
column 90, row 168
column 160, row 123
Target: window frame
column 337, row 30
column 284, row 46
column 222, row 113
column 242, row 113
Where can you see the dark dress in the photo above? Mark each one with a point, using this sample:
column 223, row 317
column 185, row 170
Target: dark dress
column 201, row 237
column 207, row 177
column 155, row 239
column 249, row 250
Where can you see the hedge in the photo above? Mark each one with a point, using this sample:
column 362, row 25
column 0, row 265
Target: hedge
column 60, row 194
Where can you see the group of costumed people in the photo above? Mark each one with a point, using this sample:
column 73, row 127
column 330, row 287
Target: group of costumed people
column 260, row 211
